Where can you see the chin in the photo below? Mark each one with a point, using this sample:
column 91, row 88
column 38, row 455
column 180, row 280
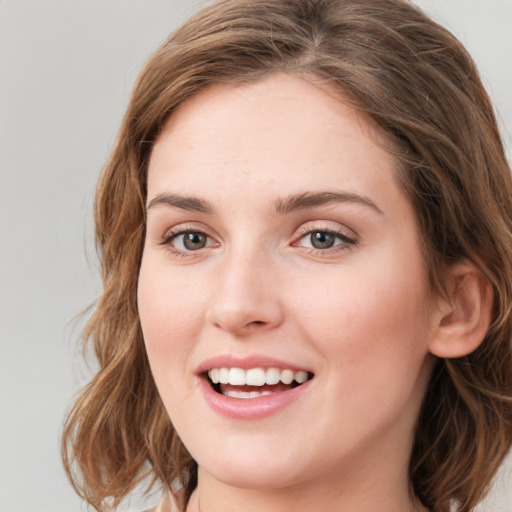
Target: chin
column 246, row 475
column 254, row 467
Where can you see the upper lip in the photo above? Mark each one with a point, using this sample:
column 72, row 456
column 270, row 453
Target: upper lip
column 248, row 362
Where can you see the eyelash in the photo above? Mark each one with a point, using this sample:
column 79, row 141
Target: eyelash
column 169, row 237
column 346, row 242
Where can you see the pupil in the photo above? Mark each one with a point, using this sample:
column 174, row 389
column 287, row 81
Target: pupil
column 194, row 241
column 322, row 240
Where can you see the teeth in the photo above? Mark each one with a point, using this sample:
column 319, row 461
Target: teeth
column 273, row 376
column 255, row 377
column 236, row 377
column 214, row 375
column 246, row 394
column 224, row 375
column 286, row 376
column 301, row 376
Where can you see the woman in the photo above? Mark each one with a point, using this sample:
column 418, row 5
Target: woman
column 305, row 230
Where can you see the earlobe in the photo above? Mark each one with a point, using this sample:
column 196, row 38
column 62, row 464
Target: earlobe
column 463, row 318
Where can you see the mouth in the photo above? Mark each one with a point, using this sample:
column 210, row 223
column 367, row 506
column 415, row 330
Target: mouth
column 255, row 382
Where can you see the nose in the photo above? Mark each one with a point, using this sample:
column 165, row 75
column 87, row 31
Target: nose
column 245, row 299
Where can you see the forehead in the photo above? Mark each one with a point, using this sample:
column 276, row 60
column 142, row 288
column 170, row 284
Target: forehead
column 279, row 133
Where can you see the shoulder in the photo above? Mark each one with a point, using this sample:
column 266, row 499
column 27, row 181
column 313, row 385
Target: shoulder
column 165, row 505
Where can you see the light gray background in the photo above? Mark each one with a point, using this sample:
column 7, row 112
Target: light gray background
column 66, row 69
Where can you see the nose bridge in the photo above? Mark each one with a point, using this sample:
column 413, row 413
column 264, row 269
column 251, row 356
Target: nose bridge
column 245, row 297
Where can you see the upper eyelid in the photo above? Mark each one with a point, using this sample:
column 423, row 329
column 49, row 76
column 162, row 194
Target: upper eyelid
column 345, row 239
column 184, row 227
column 168, row 236
column 304, row 229
column 310, row 226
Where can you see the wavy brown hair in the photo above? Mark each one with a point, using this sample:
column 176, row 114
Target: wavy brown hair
column 420, row 87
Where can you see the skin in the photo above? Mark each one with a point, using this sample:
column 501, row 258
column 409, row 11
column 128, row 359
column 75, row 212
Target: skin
column 358, row 314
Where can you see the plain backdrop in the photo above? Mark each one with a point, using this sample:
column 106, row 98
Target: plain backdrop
column 66, row 69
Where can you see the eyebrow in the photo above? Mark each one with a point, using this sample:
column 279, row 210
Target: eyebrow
column 288, row 204
column 189, row 203
column 312, row 199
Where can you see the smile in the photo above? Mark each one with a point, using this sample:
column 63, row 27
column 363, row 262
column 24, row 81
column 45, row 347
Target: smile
column 255, row 382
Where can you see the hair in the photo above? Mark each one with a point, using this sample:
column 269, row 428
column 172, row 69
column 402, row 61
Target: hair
column 419, row 86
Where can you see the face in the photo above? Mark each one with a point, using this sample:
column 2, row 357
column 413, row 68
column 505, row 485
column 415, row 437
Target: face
column 280, row 247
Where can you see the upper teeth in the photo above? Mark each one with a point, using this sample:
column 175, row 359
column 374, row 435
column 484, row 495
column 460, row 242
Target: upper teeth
column 255, row 376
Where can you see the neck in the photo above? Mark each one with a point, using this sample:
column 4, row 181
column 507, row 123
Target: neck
column 349, row 494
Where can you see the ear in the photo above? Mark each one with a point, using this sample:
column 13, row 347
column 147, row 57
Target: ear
column 463, row 318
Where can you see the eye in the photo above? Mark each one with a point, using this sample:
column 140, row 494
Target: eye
column 321, row 239
column 187, row 241
column 192, row 240
column 324, row 239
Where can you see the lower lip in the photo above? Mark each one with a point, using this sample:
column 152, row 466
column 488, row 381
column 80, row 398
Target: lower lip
column 251, row 408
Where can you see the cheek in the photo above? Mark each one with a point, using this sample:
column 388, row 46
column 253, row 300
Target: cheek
column 169, row 307
column 371, row 332
column 168, row 312
column 368, row 314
